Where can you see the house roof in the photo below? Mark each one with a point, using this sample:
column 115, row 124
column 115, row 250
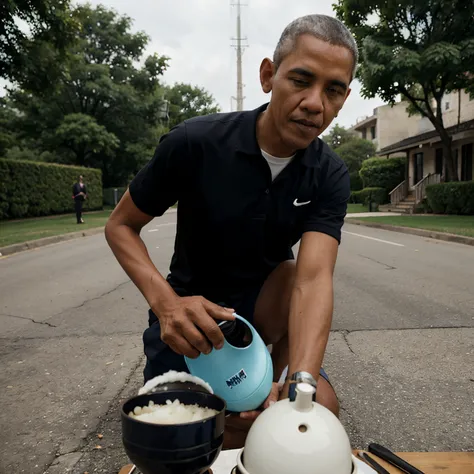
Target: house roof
column 363, row 123
column 409, row 142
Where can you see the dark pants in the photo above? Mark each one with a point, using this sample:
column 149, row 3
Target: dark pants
column 78, row 209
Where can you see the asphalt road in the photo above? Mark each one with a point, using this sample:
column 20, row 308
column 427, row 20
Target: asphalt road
column 400, row 355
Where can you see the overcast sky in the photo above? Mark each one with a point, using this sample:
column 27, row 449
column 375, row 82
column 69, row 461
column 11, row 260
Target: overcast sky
column 196, row 35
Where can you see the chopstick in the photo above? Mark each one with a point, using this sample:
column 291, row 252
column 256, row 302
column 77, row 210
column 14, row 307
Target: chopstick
column 372, row 463
column 384, row 453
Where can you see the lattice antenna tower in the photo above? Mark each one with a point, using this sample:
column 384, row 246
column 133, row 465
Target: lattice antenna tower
column 239, row 43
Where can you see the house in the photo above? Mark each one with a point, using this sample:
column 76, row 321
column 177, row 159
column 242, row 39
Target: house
column 398, row 134
column 387, row 125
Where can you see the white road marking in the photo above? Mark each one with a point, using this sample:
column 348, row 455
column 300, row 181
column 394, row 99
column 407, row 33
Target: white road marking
column 161, row 225
column 373, row 238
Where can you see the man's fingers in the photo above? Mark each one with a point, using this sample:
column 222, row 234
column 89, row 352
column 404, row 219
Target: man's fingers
column 181, row 346
column 212, row 332
column 218, row 312
column 196, row 338
column 273, row 396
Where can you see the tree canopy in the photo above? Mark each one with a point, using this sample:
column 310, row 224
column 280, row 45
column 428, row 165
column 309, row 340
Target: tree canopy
column 103, row 109
column 419, row 49
column 34, row 34
column 352, row 149
column 337, row 136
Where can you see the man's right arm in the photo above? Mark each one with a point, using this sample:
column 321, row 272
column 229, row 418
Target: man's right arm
column 123, row 236
column 156, row 187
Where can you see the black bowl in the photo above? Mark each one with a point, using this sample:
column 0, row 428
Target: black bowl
column 184, row 448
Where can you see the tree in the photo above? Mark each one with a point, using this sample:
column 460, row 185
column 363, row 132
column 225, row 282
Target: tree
column 186, row 101
column 103, row 108
column 81, row 134
column 34, row 35
column 354, row 152
column 338, row 136
column 419, row 49
column 7, row 132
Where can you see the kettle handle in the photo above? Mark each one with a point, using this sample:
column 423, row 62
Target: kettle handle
column 253, row 331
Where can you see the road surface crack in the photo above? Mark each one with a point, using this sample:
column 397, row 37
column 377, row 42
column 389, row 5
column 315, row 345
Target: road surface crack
column 91, row 299
column 28, row 319
column 344, row 335
column 86, row 444
column 387, row 267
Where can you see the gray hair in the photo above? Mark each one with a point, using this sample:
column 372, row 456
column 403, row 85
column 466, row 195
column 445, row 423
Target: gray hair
column 323, row 27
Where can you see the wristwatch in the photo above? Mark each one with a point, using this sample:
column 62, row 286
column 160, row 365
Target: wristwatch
column 300, row 377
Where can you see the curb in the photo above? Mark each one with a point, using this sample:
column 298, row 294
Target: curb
column 459, row 239
column 34, row 244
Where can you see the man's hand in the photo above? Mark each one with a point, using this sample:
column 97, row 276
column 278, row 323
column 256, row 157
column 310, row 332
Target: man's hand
column 188, row 325
column 271, row 399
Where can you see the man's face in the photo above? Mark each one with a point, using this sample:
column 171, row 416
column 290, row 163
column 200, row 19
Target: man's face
column 308, row 90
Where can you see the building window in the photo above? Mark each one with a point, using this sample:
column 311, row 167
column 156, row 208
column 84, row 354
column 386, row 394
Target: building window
column 446, row 105
column 372, row 132
column 364, row 133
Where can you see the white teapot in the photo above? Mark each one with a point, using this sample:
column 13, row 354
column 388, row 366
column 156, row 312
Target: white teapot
column 297, row 437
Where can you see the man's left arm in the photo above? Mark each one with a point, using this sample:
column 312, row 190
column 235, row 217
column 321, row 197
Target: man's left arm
column 312, row 299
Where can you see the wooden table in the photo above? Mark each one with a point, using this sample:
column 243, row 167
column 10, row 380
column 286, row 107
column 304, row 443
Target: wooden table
column 434, row 463
column 429, row 463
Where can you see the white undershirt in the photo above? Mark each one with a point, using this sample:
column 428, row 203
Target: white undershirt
column 276, row 165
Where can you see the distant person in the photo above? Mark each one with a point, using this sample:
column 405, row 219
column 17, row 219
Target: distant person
column 79, row 194
column 249, row 186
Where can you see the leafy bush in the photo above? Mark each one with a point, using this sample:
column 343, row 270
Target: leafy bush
column 109, row 199
column 356, row 181
column 376, row 195
column 451, row 198
column 383, row 173
column 30, row 189
column 423, row 208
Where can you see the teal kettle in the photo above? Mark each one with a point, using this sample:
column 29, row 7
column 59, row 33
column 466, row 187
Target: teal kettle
column 242, row 371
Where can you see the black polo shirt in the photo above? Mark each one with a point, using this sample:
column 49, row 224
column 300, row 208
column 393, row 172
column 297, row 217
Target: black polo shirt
column 234, row 225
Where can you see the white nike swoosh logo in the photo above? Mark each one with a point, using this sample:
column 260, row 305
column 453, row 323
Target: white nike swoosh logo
column 296, row 203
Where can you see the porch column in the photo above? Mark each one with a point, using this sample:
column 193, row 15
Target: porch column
column 407, row 169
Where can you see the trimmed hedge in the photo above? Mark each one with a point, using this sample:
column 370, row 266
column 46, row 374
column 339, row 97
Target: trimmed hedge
column 109, row 195
column 451, row 198
column 377, row 195
column 31, row 189
column 356, row 181
column 383, row 173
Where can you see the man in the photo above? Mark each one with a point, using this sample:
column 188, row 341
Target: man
column 79, row 194
column 249, row 185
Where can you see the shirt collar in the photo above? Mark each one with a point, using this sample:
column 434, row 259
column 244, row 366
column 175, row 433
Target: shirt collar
column 248, row 143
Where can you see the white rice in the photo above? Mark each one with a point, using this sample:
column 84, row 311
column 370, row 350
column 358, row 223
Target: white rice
column 173, row 376
column 172, row 413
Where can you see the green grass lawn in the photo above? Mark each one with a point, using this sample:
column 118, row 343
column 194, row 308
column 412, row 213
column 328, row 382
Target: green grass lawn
column 353, row 208
column 15, row 232
column 460, row 225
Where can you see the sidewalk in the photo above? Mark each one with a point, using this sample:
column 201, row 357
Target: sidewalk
column 371, row 214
